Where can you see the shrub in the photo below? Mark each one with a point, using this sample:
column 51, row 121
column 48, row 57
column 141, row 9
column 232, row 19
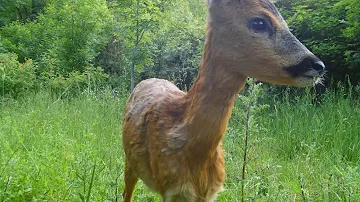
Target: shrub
column 15, row 78
column 75, row 82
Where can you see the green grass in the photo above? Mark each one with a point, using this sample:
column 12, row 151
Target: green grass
column 300, row 151
column 70, row 150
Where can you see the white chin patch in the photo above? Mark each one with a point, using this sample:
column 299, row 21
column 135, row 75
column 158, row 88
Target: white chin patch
column 305, row 81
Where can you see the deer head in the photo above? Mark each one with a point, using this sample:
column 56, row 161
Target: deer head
column 253, row 38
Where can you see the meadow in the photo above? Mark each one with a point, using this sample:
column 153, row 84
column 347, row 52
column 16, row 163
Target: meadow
column 69, row 149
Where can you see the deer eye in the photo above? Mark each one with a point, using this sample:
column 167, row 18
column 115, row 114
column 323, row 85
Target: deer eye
column 258, row 25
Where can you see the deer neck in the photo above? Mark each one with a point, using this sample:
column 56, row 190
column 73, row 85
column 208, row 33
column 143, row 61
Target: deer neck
column 210, row 101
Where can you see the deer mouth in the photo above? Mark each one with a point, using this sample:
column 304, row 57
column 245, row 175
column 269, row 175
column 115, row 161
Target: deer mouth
column 313, row 73
column 309, row 78
column 309, row 71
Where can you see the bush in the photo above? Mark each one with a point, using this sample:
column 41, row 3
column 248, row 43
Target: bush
column 16, row 78
column 75, row 82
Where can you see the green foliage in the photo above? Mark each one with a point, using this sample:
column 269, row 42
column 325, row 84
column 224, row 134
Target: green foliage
column 248, row 113
column 75, row 83
column 63, row 42
column 82, row 29
column 164, row 36
column 178, row 43
column 20, row 10
column 20, row 38
column 2, row 49
column 16, row 78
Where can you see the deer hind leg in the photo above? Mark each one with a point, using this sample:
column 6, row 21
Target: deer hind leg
column 130, row 182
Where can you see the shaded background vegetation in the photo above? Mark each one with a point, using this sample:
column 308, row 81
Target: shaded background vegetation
column 71, row 45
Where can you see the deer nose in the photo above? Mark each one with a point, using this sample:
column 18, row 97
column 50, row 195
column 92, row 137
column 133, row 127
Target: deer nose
column 310, row 66
column 318, row 66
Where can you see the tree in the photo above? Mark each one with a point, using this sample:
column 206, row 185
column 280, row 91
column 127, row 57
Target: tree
column 69, row 33
column 20, row 10
column 138, row 20
column 178, row 44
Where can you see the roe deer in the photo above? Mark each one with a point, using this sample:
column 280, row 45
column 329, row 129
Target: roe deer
column 173, row 140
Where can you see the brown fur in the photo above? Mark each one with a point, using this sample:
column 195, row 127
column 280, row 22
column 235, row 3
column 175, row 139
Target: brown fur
column 172, row 139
